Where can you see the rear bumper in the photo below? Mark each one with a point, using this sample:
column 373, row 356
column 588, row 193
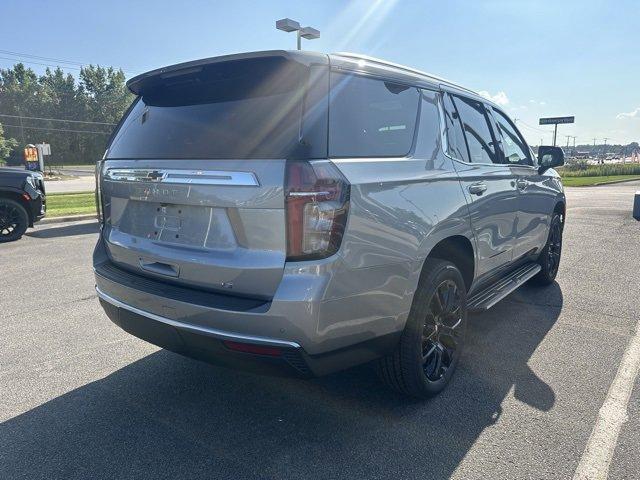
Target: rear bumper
column 196, row 323
column 208, row 344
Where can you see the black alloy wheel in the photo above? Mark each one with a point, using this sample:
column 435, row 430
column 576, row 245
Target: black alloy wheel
column 441, row 333
column 549, row 258
column 13, row 220
column 431, row 344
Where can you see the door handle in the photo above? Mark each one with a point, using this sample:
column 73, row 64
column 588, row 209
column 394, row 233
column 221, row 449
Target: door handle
column 521, row 183
column 477, row 188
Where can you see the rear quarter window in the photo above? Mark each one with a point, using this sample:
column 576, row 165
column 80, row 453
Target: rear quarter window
column 371, row 117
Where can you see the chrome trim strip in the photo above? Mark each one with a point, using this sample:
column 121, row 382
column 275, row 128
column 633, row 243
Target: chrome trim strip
column 189, row 177
column 211, row 332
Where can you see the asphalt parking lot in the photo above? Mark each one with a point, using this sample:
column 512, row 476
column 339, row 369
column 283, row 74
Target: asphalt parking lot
column 80, row 398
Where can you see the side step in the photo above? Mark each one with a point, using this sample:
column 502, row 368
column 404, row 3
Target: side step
column 489, row 296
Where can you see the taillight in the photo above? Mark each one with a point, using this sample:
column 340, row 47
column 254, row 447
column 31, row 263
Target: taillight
column 317, row 202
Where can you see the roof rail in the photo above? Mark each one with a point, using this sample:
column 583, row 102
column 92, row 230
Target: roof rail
column 402, row 67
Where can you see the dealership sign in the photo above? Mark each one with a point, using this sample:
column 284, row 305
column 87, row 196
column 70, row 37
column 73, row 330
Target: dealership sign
column 556, row 120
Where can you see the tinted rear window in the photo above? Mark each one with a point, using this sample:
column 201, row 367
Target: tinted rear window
column 370, row 117
column 248, row 108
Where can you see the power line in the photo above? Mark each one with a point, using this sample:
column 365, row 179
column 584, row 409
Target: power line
column 57, row 129
column 38, row 57
column 533, row 128
column 70, row 63
column 18, row 60
column 56, row 119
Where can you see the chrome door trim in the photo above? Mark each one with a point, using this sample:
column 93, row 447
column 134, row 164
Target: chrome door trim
column 211, row 332
column 177, row 176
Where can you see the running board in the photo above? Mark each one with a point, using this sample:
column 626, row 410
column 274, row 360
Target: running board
column 489, row 296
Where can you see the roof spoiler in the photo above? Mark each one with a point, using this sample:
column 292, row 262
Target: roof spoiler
column 140, row 82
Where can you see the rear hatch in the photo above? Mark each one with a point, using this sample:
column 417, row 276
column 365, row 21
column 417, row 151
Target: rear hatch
column 192, row 184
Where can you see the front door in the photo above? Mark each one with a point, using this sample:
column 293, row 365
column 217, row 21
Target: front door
column 535, row 198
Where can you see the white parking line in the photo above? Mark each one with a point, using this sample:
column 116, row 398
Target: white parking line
column 597, row 456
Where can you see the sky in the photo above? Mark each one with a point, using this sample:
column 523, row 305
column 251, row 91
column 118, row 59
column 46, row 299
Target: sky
column 536, row 58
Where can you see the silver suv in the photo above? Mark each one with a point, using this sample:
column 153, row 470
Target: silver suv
column 304, row 213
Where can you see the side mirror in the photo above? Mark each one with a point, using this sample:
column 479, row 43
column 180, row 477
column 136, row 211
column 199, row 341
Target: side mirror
column 549, row 157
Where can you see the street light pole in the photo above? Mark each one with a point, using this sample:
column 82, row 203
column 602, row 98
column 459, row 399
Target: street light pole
column 288, row 25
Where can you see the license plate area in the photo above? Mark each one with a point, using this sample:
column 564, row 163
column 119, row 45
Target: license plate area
column 171, row 224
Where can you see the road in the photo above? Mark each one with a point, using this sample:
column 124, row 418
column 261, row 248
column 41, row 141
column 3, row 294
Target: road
column 82, row 399
column 83, row 183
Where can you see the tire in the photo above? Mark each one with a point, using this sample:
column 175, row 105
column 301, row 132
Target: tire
column 431, row 343
column 549, row 258
column 14, row 220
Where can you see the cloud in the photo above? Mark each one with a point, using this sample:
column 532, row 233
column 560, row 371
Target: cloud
column 633, row 114
column 541, row 103
column 500, row 98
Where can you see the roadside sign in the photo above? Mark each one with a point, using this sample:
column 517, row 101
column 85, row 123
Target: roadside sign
column 556, row 120
column 45, row 148
column 34, row 156
column 31, row 161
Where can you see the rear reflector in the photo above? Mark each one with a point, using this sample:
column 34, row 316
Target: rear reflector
column 253, row 348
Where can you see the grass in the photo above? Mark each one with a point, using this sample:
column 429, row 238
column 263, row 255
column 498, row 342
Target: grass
column 586, row 181
column 606, row 170
column 61, row 204
column 581, row 175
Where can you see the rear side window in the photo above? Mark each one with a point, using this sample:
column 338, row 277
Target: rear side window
column 514, row 147
column 477, row 130
column 249, row 108
column 457, row 146
column 370, row 117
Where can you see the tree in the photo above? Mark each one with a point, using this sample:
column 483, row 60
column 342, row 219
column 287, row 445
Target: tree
column 52, row 107
column 6, row 146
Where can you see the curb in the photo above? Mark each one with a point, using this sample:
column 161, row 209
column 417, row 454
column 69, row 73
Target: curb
column 68, row 218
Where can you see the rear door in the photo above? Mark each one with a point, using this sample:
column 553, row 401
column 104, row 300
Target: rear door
column 193, row 181
column 488, row 185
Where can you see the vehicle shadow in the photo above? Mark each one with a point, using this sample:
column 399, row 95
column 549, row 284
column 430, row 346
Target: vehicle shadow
column 65, row 231
column 165, row 416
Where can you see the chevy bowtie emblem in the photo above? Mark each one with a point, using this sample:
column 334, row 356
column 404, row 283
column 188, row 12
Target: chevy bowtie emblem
column 155, row 176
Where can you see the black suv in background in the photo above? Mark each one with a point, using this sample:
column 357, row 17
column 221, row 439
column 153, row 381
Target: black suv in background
column 22, row 202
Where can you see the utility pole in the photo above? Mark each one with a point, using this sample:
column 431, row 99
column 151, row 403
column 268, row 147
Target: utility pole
column 574, row 141
column 568, row 137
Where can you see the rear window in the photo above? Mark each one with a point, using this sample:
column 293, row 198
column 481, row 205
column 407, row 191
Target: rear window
column 370, row 117
column 249, row 108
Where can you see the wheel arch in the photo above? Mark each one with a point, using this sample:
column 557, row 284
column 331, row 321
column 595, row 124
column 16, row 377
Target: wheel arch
column 458, row 250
